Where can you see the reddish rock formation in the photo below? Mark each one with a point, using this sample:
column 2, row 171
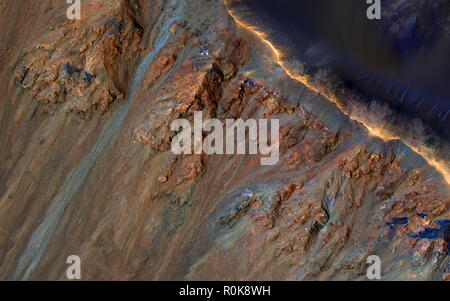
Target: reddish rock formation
column 86, row 166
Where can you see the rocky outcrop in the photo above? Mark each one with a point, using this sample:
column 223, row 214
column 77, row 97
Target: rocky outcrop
column 81, row 65
column 104, row 184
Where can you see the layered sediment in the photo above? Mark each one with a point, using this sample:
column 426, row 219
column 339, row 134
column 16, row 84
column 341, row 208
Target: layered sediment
column 86, row 167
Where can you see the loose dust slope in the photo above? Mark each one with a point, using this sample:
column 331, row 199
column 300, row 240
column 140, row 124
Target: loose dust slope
column 96, row 178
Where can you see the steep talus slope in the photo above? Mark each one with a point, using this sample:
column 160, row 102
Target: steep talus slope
column 86, row 166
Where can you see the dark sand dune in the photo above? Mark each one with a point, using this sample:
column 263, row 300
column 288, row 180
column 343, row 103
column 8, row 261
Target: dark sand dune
column 401, row 59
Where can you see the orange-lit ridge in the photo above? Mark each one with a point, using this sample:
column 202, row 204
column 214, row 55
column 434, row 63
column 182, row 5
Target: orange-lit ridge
column 376, row 131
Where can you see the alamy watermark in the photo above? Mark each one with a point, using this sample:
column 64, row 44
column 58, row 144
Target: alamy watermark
column 74, row 10
column 257, row 133
column 73, row 272
column 374, row 270
column 374, row 10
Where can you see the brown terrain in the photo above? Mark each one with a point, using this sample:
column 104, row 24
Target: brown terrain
column 86, row 167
